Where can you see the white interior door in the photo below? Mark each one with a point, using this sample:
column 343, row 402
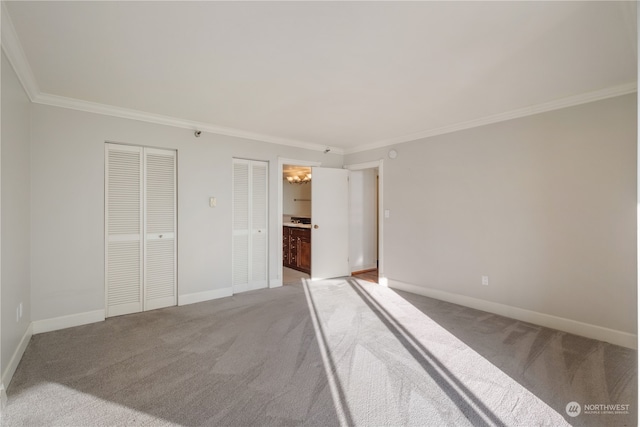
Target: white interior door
column 259, row 225
column 140, row 229
column 250, row 225
column 123, row 229
column 160, row 229
column 330, row 219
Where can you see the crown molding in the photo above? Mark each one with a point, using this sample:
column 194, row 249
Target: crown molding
column 92, row 107
column 125, row 113
column 509, row 115
column 18, row 60
column 16, row 56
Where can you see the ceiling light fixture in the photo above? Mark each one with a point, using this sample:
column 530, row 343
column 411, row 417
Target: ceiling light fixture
column 296, row 179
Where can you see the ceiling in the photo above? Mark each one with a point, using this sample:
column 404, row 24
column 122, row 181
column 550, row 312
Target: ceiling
column 345, row 75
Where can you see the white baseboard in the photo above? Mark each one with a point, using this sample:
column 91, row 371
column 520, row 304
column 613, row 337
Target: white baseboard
column 62, row 322
column 275, row 283
column 204, row 296
column 3, row 398
column 600, row 333
column 7, row 375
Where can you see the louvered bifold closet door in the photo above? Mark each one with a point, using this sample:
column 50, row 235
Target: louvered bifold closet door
column 250, row 223
column 123, row 229
column 241, row 211
column 160, row 227
column 259, row 216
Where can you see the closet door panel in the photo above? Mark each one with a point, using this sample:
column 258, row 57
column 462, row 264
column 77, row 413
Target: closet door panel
column 140, row 229
column 160, row 272
column 160, row 227
column 123, row 229
column 250, row 225
column 241, row 221
column 259, row 225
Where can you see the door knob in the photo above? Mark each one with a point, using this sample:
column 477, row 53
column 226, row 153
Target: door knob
column 316, row 226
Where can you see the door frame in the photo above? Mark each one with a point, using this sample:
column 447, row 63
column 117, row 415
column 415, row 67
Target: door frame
column 382, row 279
column 143, row 221
column 250, row 231
column 274, row 283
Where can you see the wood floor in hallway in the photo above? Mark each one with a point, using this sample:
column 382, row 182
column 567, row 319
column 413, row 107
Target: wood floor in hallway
column 368, row 275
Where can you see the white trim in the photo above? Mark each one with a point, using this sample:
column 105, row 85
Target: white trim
column 197, row 297
column 15, row 53
column 612, row 336
column 143, row 116
column 275, row 283
column 361, row 166
column 380, row 165
column 7, row 375
column 281, row 162
column 109, row 110
column 16, row 56
column 557, row 104
column 63, row 322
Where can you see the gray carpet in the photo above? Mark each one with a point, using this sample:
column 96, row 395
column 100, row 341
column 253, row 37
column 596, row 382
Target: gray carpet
column 336, row 352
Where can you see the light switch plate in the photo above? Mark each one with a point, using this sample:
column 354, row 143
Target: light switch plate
column 212, row 202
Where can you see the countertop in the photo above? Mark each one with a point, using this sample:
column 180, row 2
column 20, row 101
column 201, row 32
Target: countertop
column 297, row 225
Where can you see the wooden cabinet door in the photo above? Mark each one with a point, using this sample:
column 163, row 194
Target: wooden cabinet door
column 293, row 249
column 304, row 251
column 285, row 246
column 296, row 248
column 301, row 249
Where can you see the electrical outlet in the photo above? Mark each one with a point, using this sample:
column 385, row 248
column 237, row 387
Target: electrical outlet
column 20, row 310
column 485, row 280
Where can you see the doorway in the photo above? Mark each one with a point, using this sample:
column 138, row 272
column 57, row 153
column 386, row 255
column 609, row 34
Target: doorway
column 140, row 229
column 376, row 233
column 294, row 204
column 365, row 223
column 296, row 223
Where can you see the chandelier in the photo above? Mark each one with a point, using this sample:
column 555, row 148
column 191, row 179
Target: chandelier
column 297, row 179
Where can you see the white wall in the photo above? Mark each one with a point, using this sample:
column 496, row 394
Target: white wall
column 15, row 223
column 544, row 205
column 363, row 236
column 290, row 192
column 68, row 204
